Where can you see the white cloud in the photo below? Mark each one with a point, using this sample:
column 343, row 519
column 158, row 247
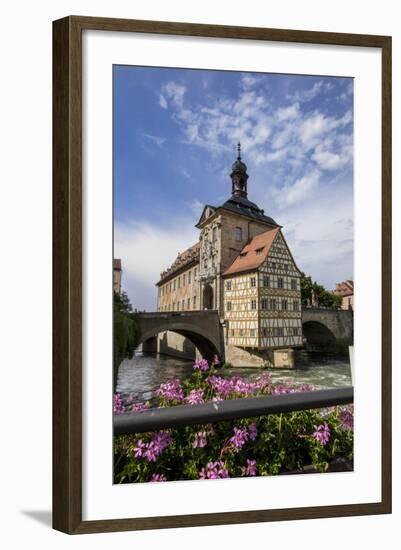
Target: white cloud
column 288, row 113
column 320, row 234
column 303, row 96
column 329, row 161
column 156, row 140
column 197, row 207
column 175, row 92
column 300, row 190
column 249, row 80
column 163, row 102
column 185, row 173
column 145, row 250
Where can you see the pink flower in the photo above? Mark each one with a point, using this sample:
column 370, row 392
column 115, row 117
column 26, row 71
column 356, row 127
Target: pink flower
column 250, row 468
column 201, row 365
column 155, row 447
column 171, row 391
column 322, row 434
column 214, row 470
column 222, row 386
column 200, row 440
column 139, row 448
column 347, row 417
column 195, row 397
column 264, row 382
column 118, row 406
column 158, row 477
column 253, row 431
column 140, row 407
column 281, row 389
column 243, row 387
column 305, row 387
column 239, row 438
column 151, row 452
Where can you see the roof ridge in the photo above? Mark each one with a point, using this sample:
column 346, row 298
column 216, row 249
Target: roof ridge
column 243, row 262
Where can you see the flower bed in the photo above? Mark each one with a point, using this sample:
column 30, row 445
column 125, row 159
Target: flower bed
column 267, row 445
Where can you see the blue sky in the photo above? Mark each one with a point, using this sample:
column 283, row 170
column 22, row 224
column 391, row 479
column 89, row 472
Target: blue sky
column 175, row 135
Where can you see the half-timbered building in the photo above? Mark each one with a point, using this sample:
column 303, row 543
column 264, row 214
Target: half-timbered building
column 243, row 268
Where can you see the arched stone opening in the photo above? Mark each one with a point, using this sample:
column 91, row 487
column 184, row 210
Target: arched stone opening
column 318, row 337
column 204, row 345
column 208, row 297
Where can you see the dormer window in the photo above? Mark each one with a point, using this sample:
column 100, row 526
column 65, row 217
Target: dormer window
column 243, row 254
column 259, row 251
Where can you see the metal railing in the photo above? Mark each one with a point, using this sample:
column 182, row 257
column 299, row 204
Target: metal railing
column 232, row 409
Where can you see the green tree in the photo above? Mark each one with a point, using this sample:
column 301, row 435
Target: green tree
column 127, row 331
column 324, row 297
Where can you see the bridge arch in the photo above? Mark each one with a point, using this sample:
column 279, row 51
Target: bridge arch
column 202, row 328
column 205, row 346
column 318, row 337
column 328, row 329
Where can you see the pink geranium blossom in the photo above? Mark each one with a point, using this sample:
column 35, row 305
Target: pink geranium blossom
column 158, row 477
column 201, row 365
column 347, row 417
column 322, row 433
column 239, row 438
column 118, row 406
column 200, row 440
column 214, row 470
column 252, row 431
column 250, row 468
column 195, row 397
column 171, row 391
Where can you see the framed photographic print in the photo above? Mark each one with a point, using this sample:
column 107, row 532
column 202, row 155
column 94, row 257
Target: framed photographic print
column 222, row 274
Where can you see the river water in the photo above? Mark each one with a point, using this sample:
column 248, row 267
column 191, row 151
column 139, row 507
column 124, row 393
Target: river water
column 142, row 375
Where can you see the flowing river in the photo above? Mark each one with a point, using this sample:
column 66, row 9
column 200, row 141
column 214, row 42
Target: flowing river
column 142, row 375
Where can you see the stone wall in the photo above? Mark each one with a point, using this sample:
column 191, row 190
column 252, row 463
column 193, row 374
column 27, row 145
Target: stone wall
column 171, row 343
column 240, row 357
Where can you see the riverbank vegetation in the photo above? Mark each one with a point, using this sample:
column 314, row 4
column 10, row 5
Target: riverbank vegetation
column 126, row 330
column 313, row 293
column 267, row 445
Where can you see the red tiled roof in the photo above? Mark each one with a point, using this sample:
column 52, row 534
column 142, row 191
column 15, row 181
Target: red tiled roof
column 345, row 288
column 248, row 258
column 183, row 258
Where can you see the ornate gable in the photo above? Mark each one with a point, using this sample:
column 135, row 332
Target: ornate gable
column 206, row 213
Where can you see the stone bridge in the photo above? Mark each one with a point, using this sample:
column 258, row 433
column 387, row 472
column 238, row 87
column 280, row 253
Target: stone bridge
column 327, row 329
column 202, row 328
column 323, row 329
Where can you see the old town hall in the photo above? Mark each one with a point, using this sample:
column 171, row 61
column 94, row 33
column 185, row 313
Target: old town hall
column 243, row 268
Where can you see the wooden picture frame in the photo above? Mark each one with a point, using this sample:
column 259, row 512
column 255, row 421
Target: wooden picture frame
column 67, row 273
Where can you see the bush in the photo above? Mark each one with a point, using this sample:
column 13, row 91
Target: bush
column 126, row 330
column 267, row 445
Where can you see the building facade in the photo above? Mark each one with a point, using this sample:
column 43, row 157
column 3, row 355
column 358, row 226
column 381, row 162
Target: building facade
column 243, row 268
column 346, row 291
column 117, row 275
column 178, row 289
